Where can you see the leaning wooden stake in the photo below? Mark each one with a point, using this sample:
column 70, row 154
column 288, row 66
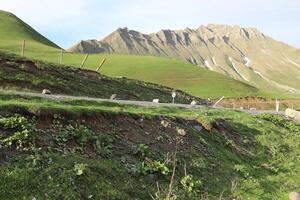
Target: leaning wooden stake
column 101, row 64
column 61, row 56
column 84, row 60
column 218, row 102
column 23, row 48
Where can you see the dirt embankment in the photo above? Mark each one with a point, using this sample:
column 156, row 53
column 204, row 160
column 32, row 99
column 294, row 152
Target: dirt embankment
column 259, row 103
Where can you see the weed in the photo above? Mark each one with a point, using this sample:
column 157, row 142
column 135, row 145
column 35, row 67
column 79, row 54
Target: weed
column 155, row 167
column 190, row 185
column 23, row 135
column 279, row 121
column 80, row 168
column 103, row 144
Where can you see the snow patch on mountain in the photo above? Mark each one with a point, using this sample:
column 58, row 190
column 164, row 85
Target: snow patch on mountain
column 214, row 61
column 206, row 63
column 248, row 61
column 292, row 62
column 285, row 87
column 236, row 70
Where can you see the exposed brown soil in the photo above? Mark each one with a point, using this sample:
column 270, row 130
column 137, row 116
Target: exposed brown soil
column 132, row 129
column 258, row 103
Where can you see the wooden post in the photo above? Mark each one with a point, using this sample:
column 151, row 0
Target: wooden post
column 84, row 60
column 277, row 105
column 23, row 48
column 218, row 102
column 61, row 56
column 101, row 64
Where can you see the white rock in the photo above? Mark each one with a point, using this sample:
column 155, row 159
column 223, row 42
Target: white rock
column 155, row 100
column 294, row 196
column 193, row 103
column 294, row 114
column 164, row 123
column 181, row 132
column 113, row 97
column 45, row 91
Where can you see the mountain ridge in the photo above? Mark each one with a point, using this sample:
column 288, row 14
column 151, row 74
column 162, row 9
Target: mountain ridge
column 245, row 54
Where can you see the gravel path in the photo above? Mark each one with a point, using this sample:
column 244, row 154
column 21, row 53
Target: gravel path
column 129, row 102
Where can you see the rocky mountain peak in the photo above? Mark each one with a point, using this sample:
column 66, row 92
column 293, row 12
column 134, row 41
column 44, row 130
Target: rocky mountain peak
column 241, row 53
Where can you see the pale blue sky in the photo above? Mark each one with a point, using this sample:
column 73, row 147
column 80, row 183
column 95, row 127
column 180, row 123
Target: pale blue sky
column 68, row 21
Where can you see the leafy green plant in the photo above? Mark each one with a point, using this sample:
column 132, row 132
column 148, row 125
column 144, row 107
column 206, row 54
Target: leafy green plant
column 17, row 122
column 279, row 121
column 80, row 168
column 190, row 185
column 242, row 169
column 103, row 144
column 141, row 150
column 154, row 167
column 23, row 131
column 82, row 134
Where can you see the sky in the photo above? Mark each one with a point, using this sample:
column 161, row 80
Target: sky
column 66, row 22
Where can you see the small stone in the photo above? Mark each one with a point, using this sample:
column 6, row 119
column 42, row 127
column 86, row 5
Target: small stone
column 181, row 132
column 293, row 114
column 294, row 196
column 198, row 128
column 193, row 103
column 113, row 97
column 45, row 91
column 164, row 123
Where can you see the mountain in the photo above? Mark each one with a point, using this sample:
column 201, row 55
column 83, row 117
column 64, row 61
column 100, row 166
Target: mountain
column 245, row 54
column 13, row 31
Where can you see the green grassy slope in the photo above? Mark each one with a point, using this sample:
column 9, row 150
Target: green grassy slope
column 173, row 73
column 89, row 150
column 13, row 31
column 17, row 73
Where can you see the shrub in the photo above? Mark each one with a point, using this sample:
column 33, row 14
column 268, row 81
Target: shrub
column 154, row 167
column 80, row 168
column 279, row 121
column 190, row 186
column 24, row 131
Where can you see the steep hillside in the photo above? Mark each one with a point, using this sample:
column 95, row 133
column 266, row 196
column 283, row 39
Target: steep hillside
column 13, row 31
column 242, row 53
column 17, row 73
column 90, row 150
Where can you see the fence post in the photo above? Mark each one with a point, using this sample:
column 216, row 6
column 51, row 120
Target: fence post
column 23, row 48
column 277, row 105
column 218, row 102
column 61, row 56
column 84, row 60
column 101, row 64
